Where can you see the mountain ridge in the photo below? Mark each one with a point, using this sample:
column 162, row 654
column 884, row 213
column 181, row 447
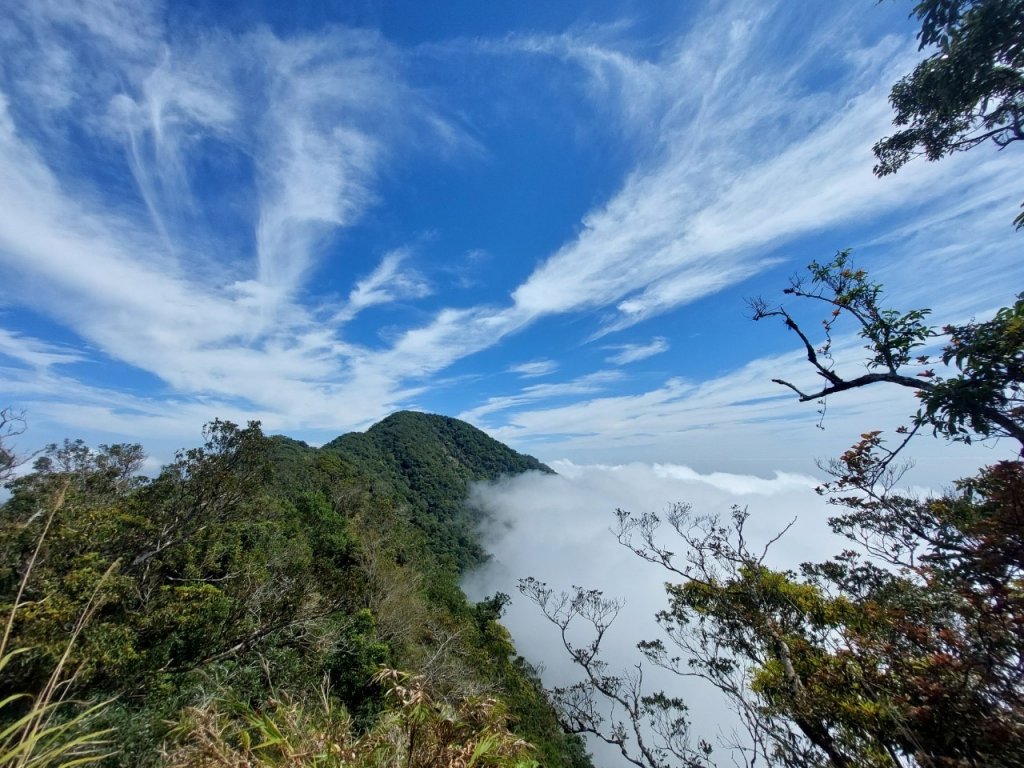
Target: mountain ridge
column 254, row 570
column 430, row 460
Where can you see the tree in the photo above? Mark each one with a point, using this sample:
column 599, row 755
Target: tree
column 981, row 396
column 939, row 592
column 194, row 580
column 969, row 91
column 649, row 730
column 12, row 423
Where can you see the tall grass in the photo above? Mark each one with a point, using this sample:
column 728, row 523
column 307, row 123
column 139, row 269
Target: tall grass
column 414, row 731
column 51, row 732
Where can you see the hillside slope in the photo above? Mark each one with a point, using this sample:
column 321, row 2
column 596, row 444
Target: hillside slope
column 260, row 583
column 429, row 461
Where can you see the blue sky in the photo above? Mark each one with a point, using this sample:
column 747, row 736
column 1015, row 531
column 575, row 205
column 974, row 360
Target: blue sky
column 541, row 217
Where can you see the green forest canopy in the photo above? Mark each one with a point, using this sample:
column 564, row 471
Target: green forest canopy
column 252, row 573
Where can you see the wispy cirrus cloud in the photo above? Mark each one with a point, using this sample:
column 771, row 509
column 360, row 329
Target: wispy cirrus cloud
column 733, row 166
column 46, row 64
column 391, row 281
column 534, row 368
column 588, row 384
column 740, row 419
column 36, row 353
column 632, row 353
column 740, row 167
column 700, row 210
column 329, row 97
column 160, row 285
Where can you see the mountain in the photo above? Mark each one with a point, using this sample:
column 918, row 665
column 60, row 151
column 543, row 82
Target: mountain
column 430, row 461
column 260, row 598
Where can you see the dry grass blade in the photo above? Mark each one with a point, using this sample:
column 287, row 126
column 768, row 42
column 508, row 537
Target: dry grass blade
column 43, row 736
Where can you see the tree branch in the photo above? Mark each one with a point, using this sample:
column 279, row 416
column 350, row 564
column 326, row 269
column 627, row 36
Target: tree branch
column 841, row 385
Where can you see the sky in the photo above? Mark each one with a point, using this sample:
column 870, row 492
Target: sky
column 544, row 218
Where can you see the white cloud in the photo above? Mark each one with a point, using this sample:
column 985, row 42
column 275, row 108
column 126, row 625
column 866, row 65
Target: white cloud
column 34, row 352
column 632, row 353
column 698, row 215
column 534, row 368
column 128, row 25
column 731, row 165
column 389, row 282
column 740, row 420
column 591, row 382
column 42, row 46
column 328, row 97
column 180, row 304
column 182, row 101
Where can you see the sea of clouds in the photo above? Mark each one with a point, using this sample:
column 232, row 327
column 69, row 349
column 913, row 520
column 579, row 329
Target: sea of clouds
column 557, row 528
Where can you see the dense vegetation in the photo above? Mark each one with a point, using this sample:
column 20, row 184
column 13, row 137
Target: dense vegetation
column 429, row 461
column 239, row 608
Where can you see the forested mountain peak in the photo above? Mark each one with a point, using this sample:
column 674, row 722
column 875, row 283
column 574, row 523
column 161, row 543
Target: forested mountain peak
column 429, row 462
column 412, row 434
